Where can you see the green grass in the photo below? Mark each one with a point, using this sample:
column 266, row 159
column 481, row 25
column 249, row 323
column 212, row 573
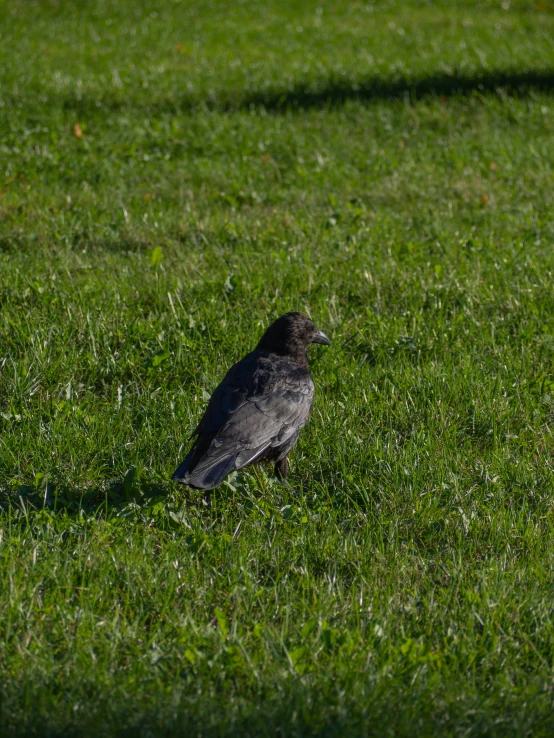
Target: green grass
column 386, row 167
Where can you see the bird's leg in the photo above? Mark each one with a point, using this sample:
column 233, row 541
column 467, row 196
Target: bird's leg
column 281, row 472
column 282, row 468
column 207, row 498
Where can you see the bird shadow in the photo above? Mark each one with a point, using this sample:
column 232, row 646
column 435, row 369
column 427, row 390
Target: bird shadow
column 128, row 496
column 94, row 501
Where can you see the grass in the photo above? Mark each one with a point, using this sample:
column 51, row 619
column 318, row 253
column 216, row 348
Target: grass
column 173, row 178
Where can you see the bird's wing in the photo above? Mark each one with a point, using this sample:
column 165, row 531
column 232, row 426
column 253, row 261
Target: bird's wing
column 260, row 404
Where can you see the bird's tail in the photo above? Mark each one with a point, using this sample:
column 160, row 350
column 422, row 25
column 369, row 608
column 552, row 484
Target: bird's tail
column 207, row 473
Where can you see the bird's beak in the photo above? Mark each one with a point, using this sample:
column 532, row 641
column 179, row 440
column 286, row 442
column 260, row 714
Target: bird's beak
column 320, row 337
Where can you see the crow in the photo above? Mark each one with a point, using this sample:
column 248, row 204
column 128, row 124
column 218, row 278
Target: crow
column 258, row 411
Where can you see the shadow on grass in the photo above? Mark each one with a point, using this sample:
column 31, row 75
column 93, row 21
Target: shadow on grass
column 337, row 91
column 121, row 496
column 332, row 92
column 404, row 711
column 63, row 500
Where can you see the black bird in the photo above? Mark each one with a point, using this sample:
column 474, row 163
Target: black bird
column 259, row 409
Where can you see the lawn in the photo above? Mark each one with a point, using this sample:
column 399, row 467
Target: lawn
column 174, row 176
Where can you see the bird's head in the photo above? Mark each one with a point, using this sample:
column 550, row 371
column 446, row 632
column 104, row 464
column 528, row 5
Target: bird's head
column 290, row 335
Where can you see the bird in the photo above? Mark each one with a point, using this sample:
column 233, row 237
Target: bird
column 258, row 410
